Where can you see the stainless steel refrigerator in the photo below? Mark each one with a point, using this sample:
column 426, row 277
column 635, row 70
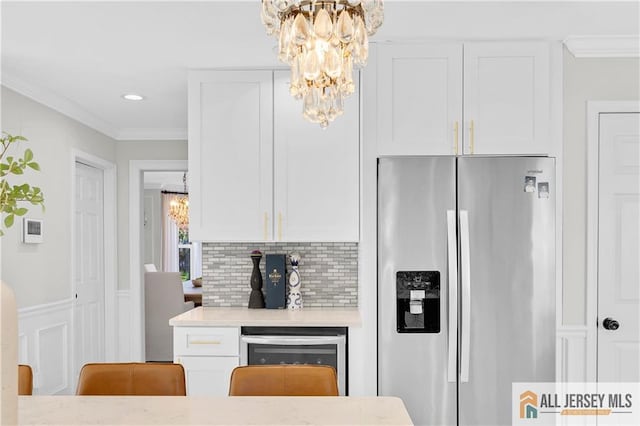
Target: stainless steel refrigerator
column 466, row 284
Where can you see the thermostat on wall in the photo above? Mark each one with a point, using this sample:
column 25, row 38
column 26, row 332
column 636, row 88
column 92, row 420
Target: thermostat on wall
column 31, row 231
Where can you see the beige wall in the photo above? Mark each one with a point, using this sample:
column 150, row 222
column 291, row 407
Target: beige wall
column 41, row 273
column 125, row 152
column 585, row 80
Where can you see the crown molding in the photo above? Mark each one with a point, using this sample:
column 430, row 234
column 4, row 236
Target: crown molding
column 145, row 134
column 56, row 102
column 76, row 112
column 620, row 46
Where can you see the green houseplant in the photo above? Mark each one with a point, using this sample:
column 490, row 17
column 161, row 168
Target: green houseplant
column 13, row 197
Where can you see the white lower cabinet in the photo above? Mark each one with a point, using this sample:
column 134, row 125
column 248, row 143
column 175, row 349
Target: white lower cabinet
column 208, row 375
column 208, row 355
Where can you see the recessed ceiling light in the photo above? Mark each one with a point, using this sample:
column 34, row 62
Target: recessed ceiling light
column 132, row 97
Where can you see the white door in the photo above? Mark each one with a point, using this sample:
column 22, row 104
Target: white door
column 316, row 171
column 419, row 99
column 618, row 251
column 506, row 98
column 89, row 267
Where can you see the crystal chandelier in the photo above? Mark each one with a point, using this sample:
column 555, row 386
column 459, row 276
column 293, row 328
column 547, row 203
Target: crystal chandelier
column 179, row 207
column 322, row 41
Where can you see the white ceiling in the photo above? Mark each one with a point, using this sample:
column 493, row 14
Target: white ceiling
column 80, row 57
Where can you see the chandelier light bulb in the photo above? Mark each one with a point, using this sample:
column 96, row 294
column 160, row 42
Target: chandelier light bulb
column 322, row 40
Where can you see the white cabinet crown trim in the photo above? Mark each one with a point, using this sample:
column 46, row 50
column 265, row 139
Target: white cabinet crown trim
column 617, row 46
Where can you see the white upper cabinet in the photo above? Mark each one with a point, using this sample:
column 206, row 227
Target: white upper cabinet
column 431, row 102
column 419, row 99
column 506, row 98
column 259, row 171
column 230, row 155
column 316, row 171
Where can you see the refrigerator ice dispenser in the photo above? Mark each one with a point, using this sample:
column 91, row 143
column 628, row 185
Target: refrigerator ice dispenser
column 418, row 301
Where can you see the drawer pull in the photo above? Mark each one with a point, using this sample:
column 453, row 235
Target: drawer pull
column 205, row 342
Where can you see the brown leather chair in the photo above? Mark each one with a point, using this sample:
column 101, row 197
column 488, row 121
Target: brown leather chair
column 132, row 379
column 284, row 380
column 25, row 380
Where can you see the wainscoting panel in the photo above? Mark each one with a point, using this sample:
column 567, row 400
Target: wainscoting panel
column 52, row 351
column 124, row 326
column 44, row 343
column 572, row 354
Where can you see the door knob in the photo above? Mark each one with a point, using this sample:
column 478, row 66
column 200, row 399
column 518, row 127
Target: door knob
column 610, row 324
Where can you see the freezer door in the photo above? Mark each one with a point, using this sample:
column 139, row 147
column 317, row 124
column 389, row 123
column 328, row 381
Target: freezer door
column 507, row 298
column 414, row 360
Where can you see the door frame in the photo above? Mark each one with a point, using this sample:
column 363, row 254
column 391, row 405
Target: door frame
column 136, row 170
column 594, row 109
column 110, row 247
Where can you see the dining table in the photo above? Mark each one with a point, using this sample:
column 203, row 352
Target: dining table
column 192, row 293
column 201, row 410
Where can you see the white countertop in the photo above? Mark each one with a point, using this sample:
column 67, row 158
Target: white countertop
column 179, row 410
column 305, row 317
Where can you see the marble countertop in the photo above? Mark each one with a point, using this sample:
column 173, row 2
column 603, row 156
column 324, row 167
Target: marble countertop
column 306, row 317
column 175, row 410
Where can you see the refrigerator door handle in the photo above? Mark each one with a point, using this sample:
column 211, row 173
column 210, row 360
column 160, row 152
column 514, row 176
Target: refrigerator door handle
column 452, row 257
column 465, row 350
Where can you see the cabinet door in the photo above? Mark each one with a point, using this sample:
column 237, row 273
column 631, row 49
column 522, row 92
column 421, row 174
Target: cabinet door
column 316, row 171
column 230, row 155
column 419, row 99
column 207, row 376
column 506, row 98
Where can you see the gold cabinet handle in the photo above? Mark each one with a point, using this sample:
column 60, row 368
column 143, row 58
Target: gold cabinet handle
column 472, row 136
column 279, row 226
column 266, row 226
column 455, row 138
column 205, row 342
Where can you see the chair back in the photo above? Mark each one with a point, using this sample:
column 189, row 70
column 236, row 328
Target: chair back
column 163, row 299
column 284, row 380
column 25, row 380
column 150, row 267
column 132, row 379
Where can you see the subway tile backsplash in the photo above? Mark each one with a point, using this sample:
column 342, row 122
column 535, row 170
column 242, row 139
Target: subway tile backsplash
column 328, row 272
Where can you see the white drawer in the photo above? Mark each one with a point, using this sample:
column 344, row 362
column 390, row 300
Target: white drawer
column 206, row 341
